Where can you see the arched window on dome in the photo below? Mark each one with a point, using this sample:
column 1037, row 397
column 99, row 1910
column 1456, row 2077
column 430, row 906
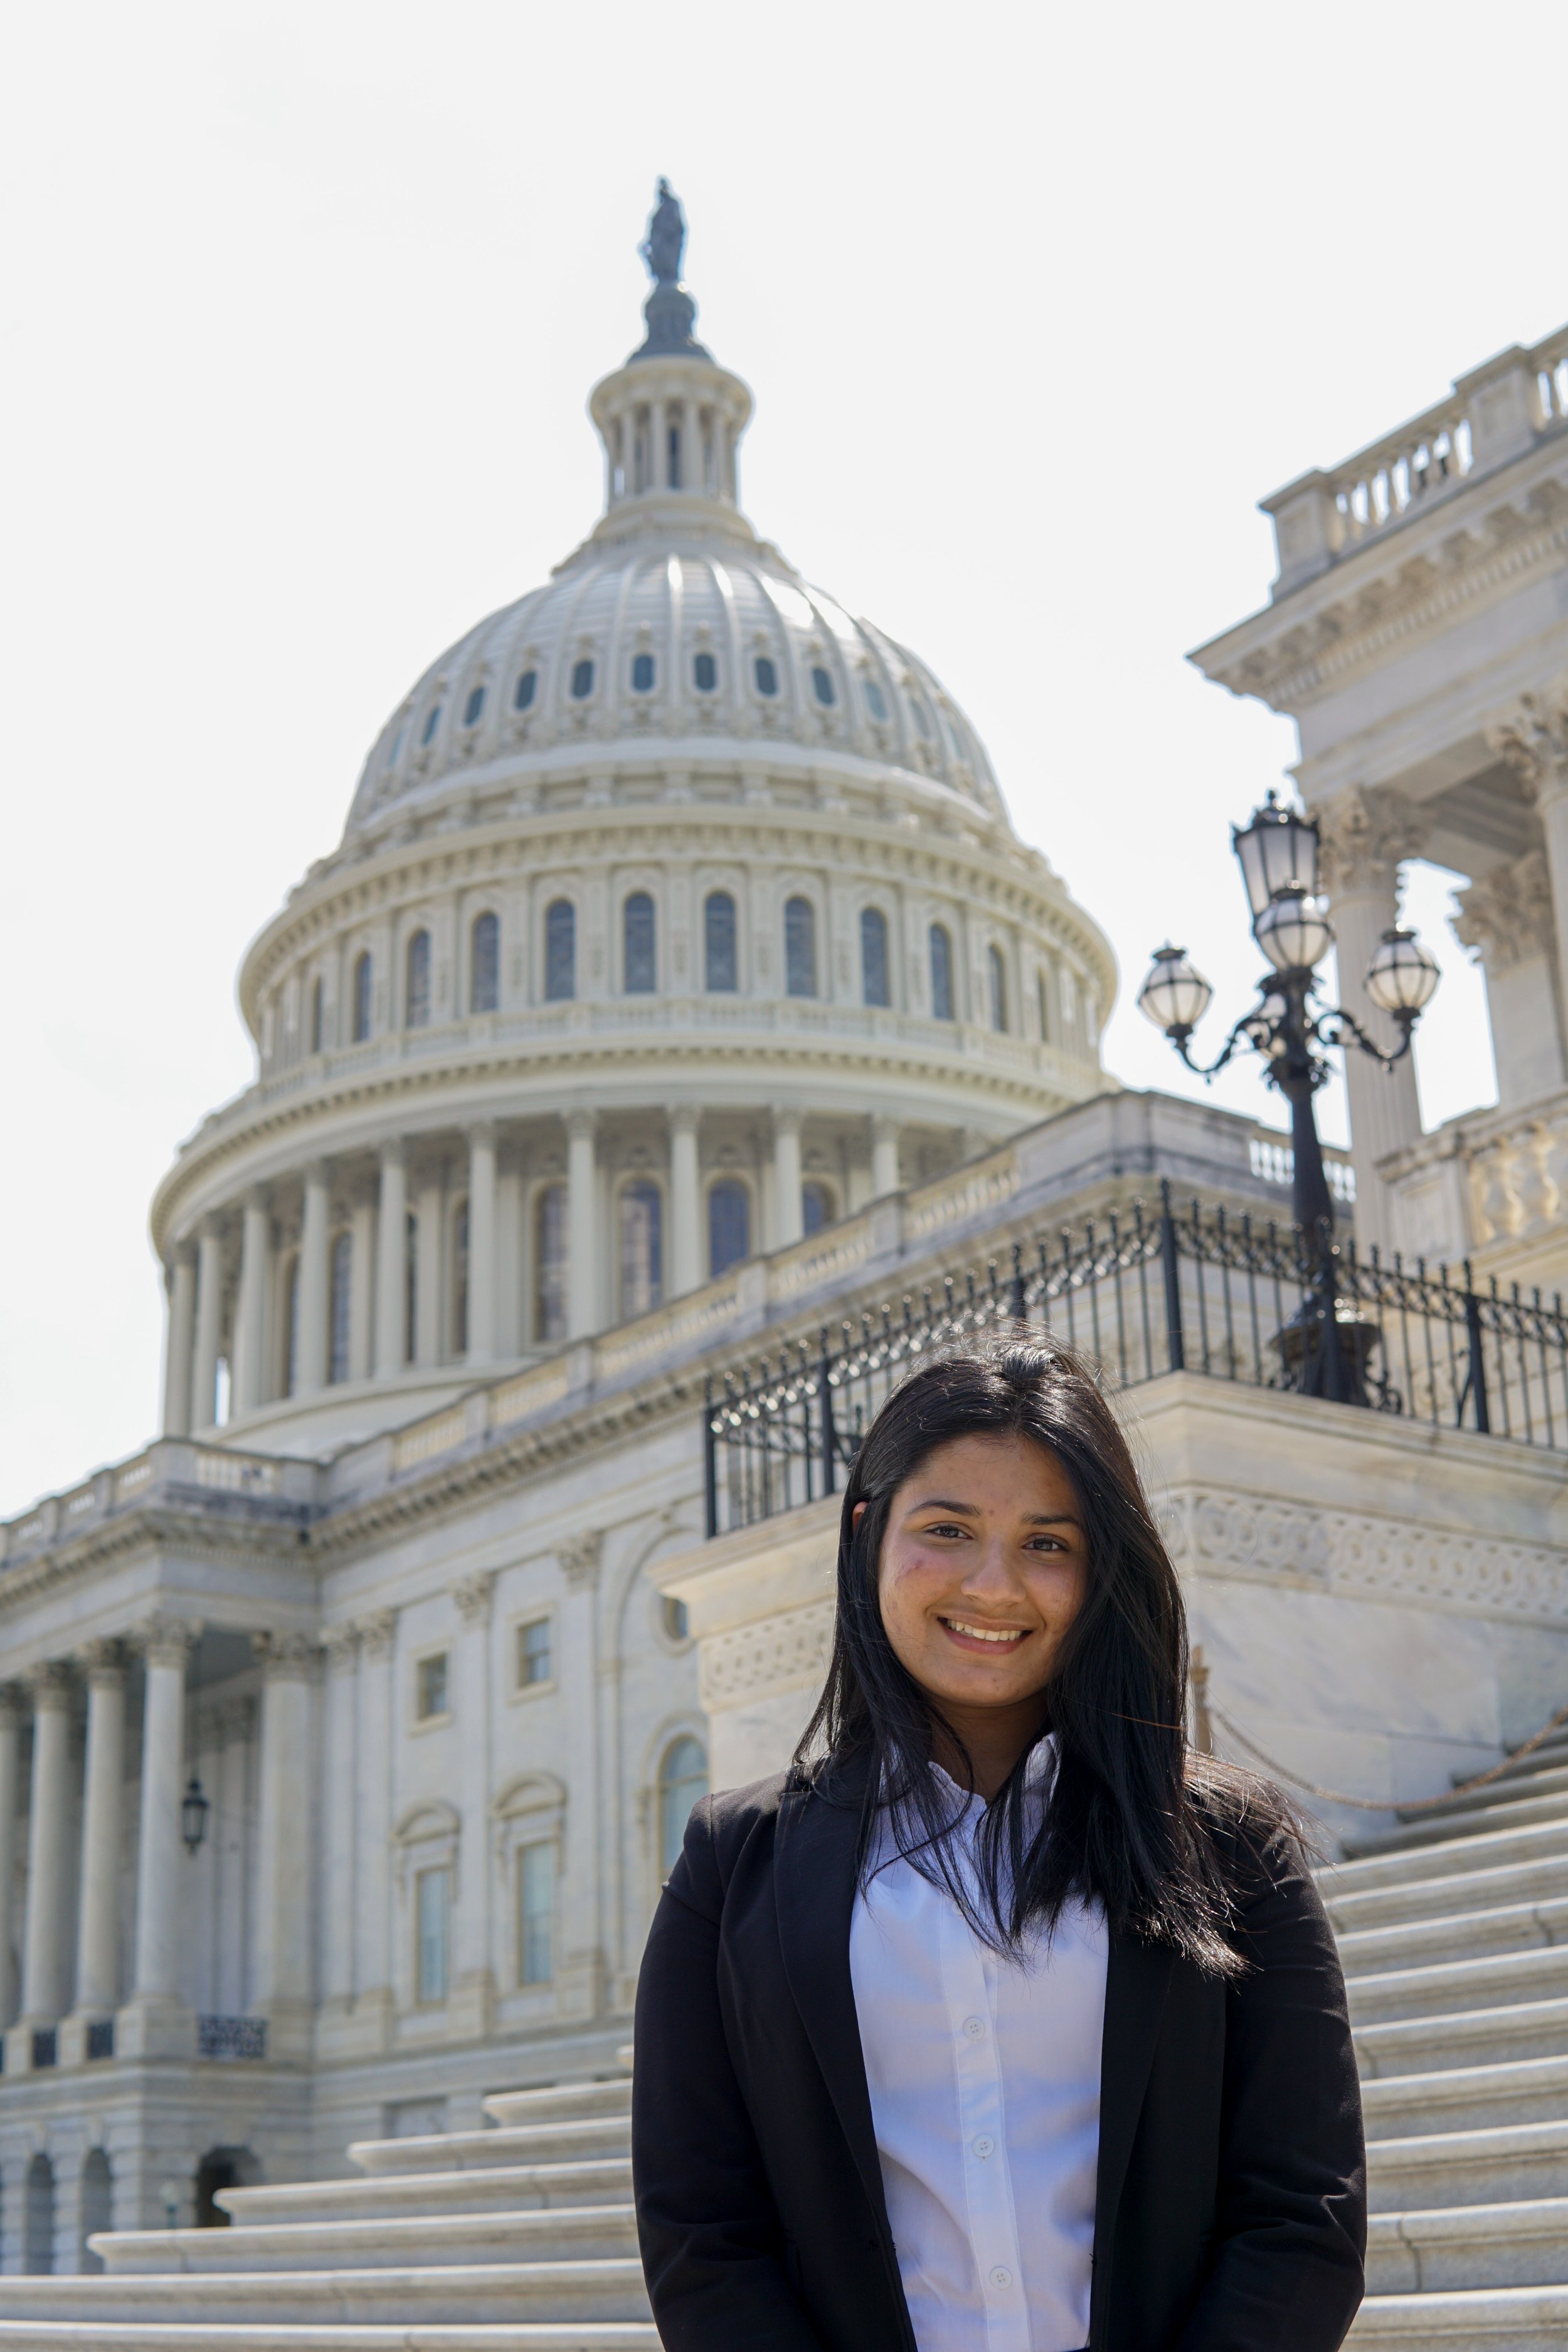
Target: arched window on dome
column 427, row 732
column 800, row 947
column 922, row 722
column 363, row 976
column 340, row 1309
column 816, row 1208
column 560, row 950
column 873, row 956
column 417, row 987
column 550, row 1264
column 581, row 680
column 682, row 1783
column 638, row 945
column 766, row 671
column 822, row 686
column 527, row 686
column 876, row 703
column 940, row 944
column 729, row 1225
column 998, row 972
column 474, row 708
column 705, row 674
column 484, row 964
column 642, row 673
column 318, row 1000
column 642, row 1247
column 719, row 958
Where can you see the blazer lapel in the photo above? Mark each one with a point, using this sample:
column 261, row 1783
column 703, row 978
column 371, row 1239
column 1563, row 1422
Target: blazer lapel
column 1136, row 1978
column 815, row 1864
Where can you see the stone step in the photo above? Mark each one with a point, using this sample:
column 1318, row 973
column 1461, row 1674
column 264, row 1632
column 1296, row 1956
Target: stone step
column 1444, row 1987
column 1441, row 1825
column 1524, row 2243
column 1462, row 2098
column 1538, row 1779
column 1452, row 1896
column 1499, row 2319
column 186, row 2335
column 1405, row 1865
column 544, row 2143
column 480, row 2188
column 561, row 2102
column 1469, row 2168
column 568, row 2233
column 448, row 2294
column 1477, row 2037
column 1452, row 1937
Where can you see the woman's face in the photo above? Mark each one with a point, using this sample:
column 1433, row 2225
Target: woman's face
column 983, row 1569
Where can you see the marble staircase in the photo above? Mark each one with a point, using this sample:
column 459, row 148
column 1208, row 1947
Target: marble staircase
column 519, row 2237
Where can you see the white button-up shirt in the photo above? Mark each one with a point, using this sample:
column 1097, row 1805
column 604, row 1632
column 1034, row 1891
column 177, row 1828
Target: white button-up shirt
column 984, row 2080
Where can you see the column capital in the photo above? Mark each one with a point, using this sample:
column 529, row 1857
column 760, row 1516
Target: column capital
column 787, row 1122
column 286, row 1657
column 1507, row 913
column 685, row 1119
column 105, row 1662
column 50, row 1684
column 13, row 1702
column 581, row 1125
column 1533, row 740
column 579, row 1557
column 184, row 1250
column 378, row 1631
column 341, row 1644
column 472, row 1595
column 166, row 1641
column 258, row 1197
column 883, row 1129
column 394, row 1151
column 1364, row 835
column 482, row 1131
column 317, row 1172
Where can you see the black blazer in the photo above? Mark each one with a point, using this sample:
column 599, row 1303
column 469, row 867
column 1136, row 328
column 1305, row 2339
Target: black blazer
column 1231, row 2210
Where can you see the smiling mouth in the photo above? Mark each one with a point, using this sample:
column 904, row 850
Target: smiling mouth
column 998, row 1637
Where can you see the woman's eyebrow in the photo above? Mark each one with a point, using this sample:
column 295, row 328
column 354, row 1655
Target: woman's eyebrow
column 941, row 1503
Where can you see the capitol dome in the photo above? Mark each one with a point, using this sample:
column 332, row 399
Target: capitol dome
column 677, row 914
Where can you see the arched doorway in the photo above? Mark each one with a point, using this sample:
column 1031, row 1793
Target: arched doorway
column 222, row 2168
column 38, row 2218
column 97, row 2209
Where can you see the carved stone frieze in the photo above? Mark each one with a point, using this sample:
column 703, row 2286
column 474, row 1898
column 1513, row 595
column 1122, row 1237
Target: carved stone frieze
column 782, row 1653
column 1361, row 1553
column 1507, row 913
column 1364, row 835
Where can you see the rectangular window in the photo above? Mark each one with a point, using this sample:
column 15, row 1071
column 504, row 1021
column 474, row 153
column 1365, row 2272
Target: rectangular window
column 433, row 1905
column 431, row 1686
column 534, row 1663
column 536, row 1912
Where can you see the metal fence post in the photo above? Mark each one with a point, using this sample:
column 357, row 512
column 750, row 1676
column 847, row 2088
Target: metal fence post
column 1017, row 1298
column 709, row 1460
column 830, row 1439
column 1476, row 1377
column 1174, row 1342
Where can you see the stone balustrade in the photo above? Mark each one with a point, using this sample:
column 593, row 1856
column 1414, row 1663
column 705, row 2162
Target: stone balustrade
column 1491, row 1186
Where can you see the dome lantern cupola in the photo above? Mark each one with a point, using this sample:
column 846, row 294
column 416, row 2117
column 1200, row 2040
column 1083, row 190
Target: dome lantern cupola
column 670, row 419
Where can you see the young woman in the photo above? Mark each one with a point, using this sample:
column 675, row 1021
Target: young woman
column 1001, row 2022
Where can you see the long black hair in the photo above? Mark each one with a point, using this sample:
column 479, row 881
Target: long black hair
column 1133, row 1811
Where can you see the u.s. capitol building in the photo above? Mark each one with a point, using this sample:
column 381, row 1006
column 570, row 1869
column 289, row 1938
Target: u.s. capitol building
column 679, row 987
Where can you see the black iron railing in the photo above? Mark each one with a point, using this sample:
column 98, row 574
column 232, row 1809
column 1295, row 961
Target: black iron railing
column 1159, row 1289
column 231, row 2037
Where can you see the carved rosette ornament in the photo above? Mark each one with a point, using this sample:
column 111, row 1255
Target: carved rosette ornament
column 1533, row 742
column 1507, row 915
column 579, row 1557
column 1364, row 835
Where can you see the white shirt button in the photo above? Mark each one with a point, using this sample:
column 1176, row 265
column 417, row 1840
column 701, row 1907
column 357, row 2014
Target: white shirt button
column 1001, row 2278
column 974, row 2028
column 985, row 2145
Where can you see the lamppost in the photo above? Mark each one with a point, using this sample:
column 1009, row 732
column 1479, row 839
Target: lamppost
column 1278, row 852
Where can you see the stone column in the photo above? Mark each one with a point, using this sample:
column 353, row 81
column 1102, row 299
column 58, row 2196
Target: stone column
column 1364, row 836
column 339, row 1765
column 362, row 1288
column 231, row 1853
column 685, row 1204
column 97, row 1914
column 582, row 1227
column 248, row 1385
column 428, row 1285
column 1533, row 739
column 284, row 1876
column 311, row 1347
column 179, row 1343
column 789, row 1221
column 580, row 1969
column 481, row 1243
column 374, row 2002
column 209, row 1328
column 11, row 1703
column 44, row 1943
column 1508, row 916
column 155, row 2022
column 470, row 2006
column 391, row 1265
column 884, row 1157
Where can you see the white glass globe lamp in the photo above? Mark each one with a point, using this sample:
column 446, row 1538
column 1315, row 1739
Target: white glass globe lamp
column 1175, row 996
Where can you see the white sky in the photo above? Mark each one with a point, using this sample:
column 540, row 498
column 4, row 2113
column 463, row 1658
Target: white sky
column 299, row 309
